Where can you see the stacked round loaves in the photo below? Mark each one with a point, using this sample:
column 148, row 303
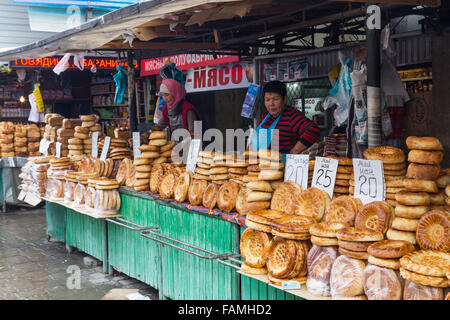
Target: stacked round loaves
column 56, row 177
column 33, row 140
column 419, row 192
column 7, row 130
column 34, row 175
column 81, row 142
column 350, row 258
column 344, row 181
column 159, row 150
column 20, row 141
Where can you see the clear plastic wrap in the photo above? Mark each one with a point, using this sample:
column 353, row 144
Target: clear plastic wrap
column 106, row 201
column 89, row 198
column 69, row 191
column 347, row 277
column 382, row 283
column 320, row 261
column 79, row 194
column 417, row 291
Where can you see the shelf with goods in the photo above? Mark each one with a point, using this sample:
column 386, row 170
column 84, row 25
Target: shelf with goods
column 417, row 80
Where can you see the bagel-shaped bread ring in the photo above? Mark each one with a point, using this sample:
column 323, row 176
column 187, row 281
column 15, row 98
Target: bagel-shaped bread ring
column 227, row 196
column 196, row 191
column 424, row 143
column 425, row 157
column 389, row 155
column 182, row 186
column 420, row 185
column 423, row 171
column 413, row 198
column 210, row 196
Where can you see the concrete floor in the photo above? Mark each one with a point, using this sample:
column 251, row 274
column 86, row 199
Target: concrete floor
column 31, row 268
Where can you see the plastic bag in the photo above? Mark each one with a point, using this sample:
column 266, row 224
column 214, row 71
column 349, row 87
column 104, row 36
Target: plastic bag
column 341, row 92
column 121, row 81
column 89, row 198
column 63, row 64
column 106, row 201
column 69, row 191
column 78, row 60
column 79, row 194
column 320, row 261
column 416, row 291
column 347, row 277
column 382, row 283
column 359, row 93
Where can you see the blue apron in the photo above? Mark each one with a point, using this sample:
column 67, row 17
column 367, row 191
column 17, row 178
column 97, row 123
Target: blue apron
column 262, row 138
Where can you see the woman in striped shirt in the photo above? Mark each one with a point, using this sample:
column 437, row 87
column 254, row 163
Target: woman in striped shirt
column 296, row 132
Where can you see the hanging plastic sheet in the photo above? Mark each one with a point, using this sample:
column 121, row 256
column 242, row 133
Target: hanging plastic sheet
column 121, row 81
column 340, row 94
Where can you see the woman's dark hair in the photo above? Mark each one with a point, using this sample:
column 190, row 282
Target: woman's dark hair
column 275, row 87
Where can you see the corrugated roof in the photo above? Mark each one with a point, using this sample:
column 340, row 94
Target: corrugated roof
column 95, row 4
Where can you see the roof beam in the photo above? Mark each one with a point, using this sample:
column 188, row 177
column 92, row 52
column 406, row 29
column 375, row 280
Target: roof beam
column 140, row 45
column 429, row 3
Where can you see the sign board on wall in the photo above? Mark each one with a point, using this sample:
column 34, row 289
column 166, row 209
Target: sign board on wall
column 51, row 62
column 221, row 77
column 184, row 61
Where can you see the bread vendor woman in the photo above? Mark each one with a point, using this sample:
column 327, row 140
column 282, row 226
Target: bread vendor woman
column 177, row 113
column 296, row 133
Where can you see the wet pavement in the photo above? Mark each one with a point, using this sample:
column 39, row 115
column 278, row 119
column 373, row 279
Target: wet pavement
column 32, row 268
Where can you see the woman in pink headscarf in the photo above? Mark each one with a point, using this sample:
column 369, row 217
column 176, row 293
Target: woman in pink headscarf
column 177, row 113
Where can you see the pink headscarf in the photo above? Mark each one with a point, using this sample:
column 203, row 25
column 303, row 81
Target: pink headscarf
column 176, row 90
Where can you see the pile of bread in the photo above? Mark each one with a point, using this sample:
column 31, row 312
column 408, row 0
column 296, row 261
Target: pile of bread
column 56, row 173
column 350, row 257
column 34, row 175
column 159, row 149
column 81, row 142
column 19, row 140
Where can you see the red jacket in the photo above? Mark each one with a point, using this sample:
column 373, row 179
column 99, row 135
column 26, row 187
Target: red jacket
column 184, row 109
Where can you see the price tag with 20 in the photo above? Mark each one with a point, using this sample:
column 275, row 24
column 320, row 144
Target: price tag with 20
column 296, row 169
column 369, row 180
column 324, row 177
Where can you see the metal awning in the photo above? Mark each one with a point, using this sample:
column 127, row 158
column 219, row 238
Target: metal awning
column 199, row 25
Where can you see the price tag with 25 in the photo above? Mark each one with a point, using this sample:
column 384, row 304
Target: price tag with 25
column 369, row 180
column 296, row 169
column 324, row 177
column 194, row 149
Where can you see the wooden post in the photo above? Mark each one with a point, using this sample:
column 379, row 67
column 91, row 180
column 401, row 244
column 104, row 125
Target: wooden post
column 373, row 32
column 132, row 112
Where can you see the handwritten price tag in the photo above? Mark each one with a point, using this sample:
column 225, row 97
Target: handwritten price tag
column 296, row 169
column 136, row 144
column 194, row 149
column 324, row 176
column 105, row 148
column 58, row 149
column 369, row 180
column 94, row 142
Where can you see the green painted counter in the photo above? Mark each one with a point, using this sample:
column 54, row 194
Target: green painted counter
column 55, row 221
column 184, row 276
column 128, row 251
column 88, row 235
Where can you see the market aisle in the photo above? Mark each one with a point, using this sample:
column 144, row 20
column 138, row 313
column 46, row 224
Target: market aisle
column 32, row 268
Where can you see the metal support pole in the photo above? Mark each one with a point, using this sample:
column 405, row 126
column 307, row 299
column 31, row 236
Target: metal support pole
column 373, row 32
column 132, row 111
